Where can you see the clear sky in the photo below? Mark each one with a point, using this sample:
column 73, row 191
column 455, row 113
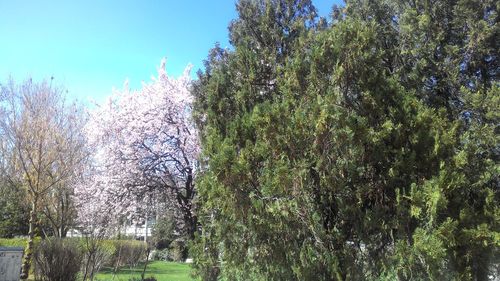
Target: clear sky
column 91, row 46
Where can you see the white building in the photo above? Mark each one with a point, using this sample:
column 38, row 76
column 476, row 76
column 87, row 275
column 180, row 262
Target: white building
column 129, row 229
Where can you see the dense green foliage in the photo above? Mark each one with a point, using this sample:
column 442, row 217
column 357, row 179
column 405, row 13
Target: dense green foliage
column 164, row 232
column 363, row 148
column 14, row 212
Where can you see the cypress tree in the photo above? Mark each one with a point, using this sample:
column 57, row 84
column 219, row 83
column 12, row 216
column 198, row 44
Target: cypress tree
column 361, row 149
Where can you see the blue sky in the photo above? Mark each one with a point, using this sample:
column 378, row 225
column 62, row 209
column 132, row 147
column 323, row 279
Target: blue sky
column 93, row 45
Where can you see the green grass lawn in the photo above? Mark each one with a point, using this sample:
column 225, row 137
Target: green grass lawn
column 162, row 271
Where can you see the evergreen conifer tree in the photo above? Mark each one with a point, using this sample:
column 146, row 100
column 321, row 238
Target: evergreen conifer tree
column 362, row 149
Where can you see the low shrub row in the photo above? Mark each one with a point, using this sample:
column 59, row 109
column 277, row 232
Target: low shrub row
column 110, row 253
column 62, row 259
column 13, row 242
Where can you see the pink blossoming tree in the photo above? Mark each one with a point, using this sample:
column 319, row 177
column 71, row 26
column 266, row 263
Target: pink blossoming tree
column 146, row 150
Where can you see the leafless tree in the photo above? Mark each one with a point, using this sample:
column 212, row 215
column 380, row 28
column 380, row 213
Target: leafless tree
column 42, row 145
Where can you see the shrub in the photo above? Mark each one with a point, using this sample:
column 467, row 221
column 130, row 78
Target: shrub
column 127, row 253
column 57, row 260
column 13, row 210
column 13, row 242
column 161, row 255
column 178, row 251
column 163, row 232
column 17, row 242
column 96, row 253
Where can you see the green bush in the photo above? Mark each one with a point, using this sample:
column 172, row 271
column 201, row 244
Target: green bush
column 13, row 242
column 13, row 210
column 127, row 253
column 161, row 255
column 178, row 250
column 17, row 242
column 57, row 260
column 164, row 232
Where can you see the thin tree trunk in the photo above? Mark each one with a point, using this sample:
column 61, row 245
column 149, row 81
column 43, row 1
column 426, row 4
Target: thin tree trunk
column 117, row 262
column 25, row 268
column 146, row 228
column 145, row 264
